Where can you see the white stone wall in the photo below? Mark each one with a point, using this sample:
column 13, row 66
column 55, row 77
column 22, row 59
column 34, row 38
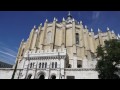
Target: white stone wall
column 6, row 73
column 81, row 73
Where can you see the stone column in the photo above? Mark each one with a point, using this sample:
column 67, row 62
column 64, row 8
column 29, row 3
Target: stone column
column 53, row 34
column 86, row 38
column 86, row 41
column 44, row 34
column 31, row 38
column 82, row 43
column 20, row 49
column 109, row 33
column 85, row 63
column 100, row 37
column 92, row 41
column 74, row 62
column 33, row 47
column 62, row 66
column 63, row 34
column 38, row 37
column 73, row 37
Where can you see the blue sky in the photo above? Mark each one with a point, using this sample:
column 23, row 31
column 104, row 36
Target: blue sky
column 16, row 25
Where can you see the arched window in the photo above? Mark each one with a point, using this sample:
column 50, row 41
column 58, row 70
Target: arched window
column 69, row 66
column 52, row 64
column 42, row 65
column 79, row 64
column 77, row 38
column 55, row 64
column 29, row 76
column 30, row 65
column 45, row 65
column 39, row 65
column 53, row 77
column 49, row 37
column 33, row 65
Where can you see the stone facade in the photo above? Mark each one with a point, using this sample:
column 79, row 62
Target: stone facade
column 60, row 50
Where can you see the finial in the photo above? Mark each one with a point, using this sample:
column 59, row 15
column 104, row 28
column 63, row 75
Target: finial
column 73, row 20
column 112, row 31
column 85, row 26
column 63, row 19
column 99, row 30
column 54, row 19
column 108, row 29
column 41, row 24
column 119, row 35
column 36, row 30
column 69, row 13
column 46, row 20
column 91, row 30
column 80, row 22
column 34, row 27
column 23, row 40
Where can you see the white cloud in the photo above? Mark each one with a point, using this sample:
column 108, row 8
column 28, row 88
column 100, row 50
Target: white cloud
column 7, row 54
column 95, row 14
column 10, row 50
column 7, row 59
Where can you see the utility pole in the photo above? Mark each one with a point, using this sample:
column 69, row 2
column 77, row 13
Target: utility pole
column 15, row 68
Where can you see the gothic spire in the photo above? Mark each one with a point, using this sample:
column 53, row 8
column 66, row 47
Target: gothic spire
column 69, row 16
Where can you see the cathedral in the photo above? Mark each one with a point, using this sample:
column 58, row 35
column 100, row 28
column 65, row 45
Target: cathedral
column 60, row 50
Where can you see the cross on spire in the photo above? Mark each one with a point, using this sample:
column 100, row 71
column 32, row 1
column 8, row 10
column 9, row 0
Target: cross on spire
column 69, row 14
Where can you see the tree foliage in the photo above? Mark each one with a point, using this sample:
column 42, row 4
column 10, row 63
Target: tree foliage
column 108, row 60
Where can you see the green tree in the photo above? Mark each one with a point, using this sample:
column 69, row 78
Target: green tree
column 108, row 60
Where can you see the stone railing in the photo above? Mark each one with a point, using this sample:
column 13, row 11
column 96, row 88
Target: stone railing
column 44, row 53
column 80, row 69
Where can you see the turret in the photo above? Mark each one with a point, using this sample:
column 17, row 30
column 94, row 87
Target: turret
column 99, row 31
column 63, row 20
column 112, row 31
column 100, row 37
column 91, row 30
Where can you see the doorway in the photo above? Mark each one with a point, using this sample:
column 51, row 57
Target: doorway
column 42, row 77
column 53, row 77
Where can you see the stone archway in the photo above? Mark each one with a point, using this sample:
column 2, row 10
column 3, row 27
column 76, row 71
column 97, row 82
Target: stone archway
column 40, row 75
column 53, row 76
column 29, row 76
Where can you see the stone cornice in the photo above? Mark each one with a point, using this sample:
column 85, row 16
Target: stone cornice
column 79, row 69
column 45, row 57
